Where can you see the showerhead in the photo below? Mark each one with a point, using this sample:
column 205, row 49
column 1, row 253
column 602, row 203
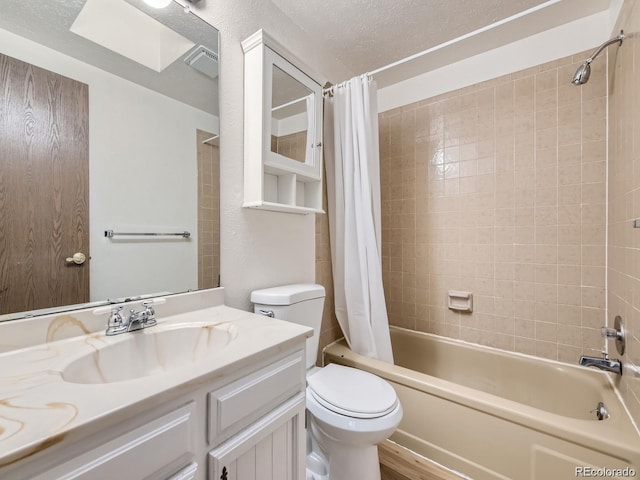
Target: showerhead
column 582, row 73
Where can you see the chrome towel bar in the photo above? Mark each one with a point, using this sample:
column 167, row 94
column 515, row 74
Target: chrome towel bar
column 111, row 234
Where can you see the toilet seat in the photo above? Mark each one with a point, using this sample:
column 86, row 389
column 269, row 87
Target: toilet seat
column 351, row 392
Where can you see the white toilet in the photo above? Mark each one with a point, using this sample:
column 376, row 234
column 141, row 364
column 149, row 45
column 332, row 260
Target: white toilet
column 350, row 411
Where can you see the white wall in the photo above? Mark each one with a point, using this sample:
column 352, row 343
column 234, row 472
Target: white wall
column 135, row 184
column 584, row 34
column 258, row 248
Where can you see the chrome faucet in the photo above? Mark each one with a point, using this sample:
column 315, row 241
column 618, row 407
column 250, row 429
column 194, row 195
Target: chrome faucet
column 137, row 320
column 142, row 319
column 603, row 363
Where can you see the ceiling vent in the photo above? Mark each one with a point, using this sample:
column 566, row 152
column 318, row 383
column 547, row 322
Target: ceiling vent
column 203, row 60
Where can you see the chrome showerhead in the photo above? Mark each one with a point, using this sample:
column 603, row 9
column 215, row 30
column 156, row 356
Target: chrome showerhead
column 582, row 74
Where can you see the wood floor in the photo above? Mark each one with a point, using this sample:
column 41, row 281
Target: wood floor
column 399, row 463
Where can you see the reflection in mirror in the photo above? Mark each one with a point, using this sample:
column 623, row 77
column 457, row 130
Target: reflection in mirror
column 291, row 115
column 108, row 121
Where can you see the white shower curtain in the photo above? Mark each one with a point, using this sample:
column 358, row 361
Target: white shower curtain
column 353, row 190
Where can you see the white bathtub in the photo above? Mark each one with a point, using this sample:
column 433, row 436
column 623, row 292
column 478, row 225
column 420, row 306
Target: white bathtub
column 492, row 414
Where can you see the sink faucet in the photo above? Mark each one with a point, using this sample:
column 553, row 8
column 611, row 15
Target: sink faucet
column 603, row 363
column 137, row 320
column 142, row 319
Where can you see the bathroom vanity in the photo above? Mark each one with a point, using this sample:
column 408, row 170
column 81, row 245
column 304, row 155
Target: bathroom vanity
column 210, row 392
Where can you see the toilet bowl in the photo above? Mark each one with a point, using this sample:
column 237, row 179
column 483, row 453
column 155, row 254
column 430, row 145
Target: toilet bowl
column 349, row 411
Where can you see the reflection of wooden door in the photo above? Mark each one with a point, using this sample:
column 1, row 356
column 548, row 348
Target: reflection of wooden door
column 44, row 179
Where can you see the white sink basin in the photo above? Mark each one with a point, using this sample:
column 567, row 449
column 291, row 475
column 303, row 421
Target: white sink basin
column 148, row 352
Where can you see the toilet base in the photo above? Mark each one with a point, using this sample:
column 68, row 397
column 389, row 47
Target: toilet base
column 341, row 461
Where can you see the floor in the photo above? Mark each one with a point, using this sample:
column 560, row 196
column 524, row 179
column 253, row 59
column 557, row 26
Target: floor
column 399, row 463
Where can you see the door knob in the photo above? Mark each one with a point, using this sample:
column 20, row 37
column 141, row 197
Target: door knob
column 78, row 258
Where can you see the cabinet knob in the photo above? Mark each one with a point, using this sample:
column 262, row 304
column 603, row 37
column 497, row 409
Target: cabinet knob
column 224, row 474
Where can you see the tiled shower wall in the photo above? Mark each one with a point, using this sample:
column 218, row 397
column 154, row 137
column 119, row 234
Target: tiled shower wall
column 499, row 189
column 208, row 211
column 330, row 330
column 624, row 201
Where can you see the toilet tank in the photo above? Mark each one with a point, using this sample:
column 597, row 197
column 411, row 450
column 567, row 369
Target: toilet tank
column 301, row 303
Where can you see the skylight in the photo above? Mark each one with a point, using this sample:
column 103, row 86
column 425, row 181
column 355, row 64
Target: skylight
column 124, row 29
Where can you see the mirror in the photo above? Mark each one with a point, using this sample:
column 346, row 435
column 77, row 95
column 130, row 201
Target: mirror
column 291, row 114
column 109, row 151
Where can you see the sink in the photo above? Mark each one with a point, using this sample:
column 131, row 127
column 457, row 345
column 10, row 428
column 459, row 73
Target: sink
column 152, row 351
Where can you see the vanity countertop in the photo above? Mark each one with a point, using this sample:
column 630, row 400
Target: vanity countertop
column 39, row 408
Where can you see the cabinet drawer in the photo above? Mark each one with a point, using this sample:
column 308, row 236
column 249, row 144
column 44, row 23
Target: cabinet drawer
column 187, row 473
column 154, row 450
column 238, row 404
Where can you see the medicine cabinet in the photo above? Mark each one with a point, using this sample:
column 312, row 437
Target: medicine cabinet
column 282, row 131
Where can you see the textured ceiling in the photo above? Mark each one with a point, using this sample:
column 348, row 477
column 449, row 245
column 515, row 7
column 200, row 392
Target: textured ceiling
column 367, row 34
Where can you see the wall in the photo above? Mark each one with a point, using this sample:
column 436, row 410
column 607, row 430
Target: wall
column 499, row 189
column 534, row 50
column 120, row 162
column 258, row 248
column 624, row 201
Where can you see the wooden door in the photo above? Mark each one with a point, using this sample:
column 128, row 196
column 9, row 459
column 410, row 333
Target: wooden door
column 44, row 182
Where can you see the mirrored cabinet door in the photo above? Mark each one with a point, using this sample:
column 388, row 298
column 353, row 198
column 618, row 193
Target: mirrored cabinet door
column 292, row 112
column 283, row 132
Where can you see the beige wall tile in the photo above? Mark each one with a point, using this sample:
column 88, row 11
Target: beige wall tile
column 512, row 209
column 623, row 271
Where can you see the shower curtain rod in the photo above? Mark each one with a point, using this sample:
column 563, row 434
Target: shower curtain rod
column 448, row 43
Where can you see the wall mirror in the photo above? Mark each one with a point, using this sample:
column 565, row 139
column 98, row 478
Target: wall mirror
column 109, row 152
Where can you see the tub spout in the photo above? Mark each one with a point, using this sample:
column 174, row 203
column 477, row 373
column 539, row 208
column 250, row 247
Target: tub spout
column 603, row 363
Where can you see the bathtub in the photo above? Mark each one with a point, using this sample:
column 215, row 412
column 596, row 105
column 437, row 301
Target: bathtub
column 490, row 414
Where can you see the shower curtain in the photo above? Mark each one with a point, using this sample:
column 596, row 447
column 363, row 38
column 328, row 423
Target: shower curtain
column 353, row 191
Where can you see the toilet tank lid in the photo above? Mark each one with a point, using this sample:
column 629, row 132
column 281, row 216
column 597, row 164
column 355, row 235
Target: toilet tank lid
column 287, row 294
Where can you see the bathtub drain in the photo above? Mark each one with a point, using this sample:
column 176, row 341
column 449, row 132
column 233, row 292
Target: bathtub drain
column 601, row 411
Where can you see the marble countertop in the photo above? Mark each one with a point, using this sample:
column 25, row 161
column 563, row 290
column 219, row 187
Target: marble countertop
column 39, row 407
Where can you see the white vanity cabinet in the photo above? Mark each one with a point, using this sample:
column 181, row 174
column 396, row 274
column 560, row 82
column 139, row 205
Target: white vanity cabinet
column 282, row 130
column 244, row 423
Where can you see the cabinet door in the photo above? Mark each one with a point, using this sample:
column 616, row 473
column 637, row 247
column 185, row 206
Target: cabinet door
column 273, row 448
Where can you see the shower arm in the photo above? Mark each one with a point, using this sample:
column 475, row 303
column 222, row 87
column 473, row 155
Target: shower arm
column 619, row 39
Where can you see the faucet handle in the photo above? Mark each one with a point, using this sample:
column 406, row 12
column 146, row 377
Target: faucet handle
column 617, row 333
column 116, row 320
column 150, row 312
column 607, row 332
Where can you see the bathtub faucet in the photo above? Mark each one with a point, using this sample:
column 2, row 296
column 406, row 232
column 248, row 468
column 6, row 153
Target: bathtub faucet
column 603, row 363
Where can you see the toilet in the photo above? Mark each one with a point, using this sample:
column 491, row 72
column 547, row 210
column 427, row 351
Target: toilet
column 349, row 411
